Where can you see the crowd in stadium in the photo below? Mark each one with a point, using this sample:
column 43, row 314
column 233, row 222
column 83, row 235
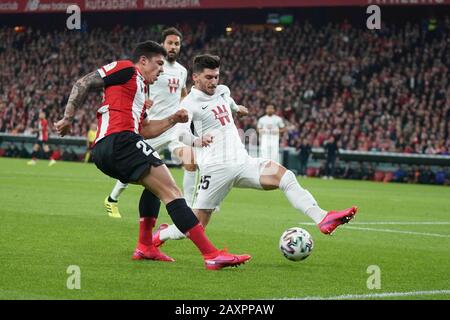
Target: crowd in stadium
column 385, row 90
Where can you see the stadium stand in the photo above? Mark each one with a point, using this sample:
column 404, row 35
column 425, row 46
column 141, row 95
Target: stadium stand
column 381, row 91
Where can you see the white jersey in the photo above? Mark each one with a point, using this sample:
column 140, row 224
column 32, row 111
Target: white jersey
column 269, row 127
column 213, row 115
column 166, row 91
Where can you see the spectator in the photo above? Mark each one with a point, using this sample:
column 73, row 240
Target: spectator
column 379, row 91
column 331, row 155
column 440, row 176
column 304, row 152
column 400, row 175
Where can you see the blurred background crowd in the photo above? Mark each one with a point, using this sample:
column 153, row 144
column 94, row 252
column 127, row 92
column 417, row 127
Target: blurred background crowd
column 385, row 90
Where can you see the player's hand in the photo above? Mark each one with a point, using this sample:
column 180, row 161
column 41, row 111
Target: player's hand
column 148, row 104
column 242, row 111
column 180, row 116
column 63, row 126
column 204, row 141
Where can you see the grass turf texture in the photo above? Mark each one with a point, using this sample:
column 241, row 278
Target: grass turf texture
column 53, row 217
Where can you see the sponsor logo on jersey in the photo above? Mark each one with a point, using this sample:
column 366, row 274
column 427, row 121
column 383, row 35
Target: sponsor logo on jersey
column 174, row 84
column 221, row 114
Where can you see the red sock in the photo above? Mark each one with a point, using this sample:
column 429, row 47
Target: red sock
column 198, row 237
column 146, row 225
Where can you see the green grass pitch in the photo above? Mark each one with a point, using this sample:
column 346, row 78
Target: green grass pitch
column 53, row 217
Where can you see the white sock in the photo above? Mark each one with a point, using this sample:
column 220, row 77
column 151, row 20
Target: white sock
column 172, row 233
column 300, row 198
column 117, row 190
column 189, row 186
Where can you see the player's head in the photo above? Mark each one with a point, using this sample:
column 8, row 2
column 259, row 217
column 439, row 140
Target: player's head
column 93, row 126
column 270, row 110
column 41, row 114
column 206, row 70
column 171, row 41
column 148, row 57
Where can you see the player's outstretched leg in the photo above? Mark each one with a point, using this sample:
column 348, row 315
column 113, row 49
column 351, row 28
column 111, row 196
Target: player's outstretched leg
column 186, row 156
column 149, row 206
column 166, row 232
column 161, row 183
column 111, row 202
column 274, row 175
column 189, row 178
column 170, row 232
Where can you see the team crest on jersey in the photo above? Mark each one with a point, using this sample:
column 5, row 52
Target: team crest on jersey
column 221, row 114
column 173, row 85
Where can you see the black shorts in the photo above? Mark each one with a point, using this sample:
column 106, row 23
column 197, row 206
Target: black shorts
column 125, row 156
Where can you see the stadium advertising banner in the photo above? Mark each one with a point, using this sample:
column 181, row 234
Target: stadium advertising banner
column 35, row 6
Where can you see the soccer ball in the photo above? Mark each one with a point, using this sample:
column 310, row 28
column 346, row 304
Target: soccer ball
column 296, row 244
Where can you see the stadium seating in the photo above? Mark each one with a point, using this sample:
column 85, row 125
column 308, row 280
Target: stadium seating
column 380, row 91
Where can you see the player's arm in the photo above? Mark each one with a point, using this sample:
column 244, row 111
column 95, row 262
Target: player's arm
column 184, row 93
column 153, row 128
column 240, row 110
column 185, row 136
column 260, row 127
column 91, row 81
column 281, row 127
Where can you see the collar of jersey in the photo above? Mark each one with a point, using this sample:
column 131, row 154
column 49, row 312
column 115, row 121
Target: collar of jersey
column 140, row 75
column 203, row 97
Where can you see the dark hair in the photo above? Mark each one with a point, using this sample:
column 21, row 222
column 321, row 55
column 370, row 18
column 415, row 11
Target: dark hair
column 149, row 49
column 205, row 61
column 170, row 32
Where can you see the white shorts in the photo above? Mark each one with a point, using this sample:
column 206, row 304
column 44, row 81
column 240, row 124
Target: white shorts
column 216, row 181
column 270, row 151
column 166, row 140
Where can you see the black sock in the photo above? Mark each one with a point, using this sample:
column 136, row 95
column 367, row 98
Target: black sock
column 182, row 216
column 111, row 199
column 149, row 205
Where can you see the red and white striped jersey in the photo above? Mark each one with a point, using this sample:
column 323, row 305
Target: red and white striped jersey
column 123, row 101
column 42, row 130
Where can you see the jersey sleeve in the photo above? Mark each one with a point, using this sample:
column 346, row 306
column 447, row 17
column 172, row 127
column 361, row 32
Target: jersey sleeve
column 226, row 94
column 280, row 123
column 117, row 72
column 260, row 124
column 185, row 74
column 233, row 105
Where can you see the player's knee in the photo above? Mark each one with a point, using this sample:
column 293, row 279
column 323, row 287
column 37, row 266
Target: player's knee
column 185, row 155
column 287, row 180
column 170, row 193
column 273, row 169
column 190, row 167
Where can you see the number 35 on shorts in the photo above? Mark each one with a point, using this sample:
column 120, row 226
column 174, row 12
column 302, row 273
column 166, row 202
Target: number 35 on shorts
column 146, row 149
column 204, row 182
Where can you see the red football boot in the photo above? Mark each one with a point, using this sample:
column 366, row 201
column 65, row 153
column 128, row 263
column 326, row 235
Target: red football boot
column 157, row 242
column 223, row 259
column 150, row 253
column 334, row 219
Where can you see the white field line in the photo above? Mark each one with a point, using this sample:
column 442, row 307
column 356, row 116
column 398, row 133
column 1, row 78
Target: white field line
column 351, row 227
column 375, row 295
column 399, row 223
column 400, row 232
